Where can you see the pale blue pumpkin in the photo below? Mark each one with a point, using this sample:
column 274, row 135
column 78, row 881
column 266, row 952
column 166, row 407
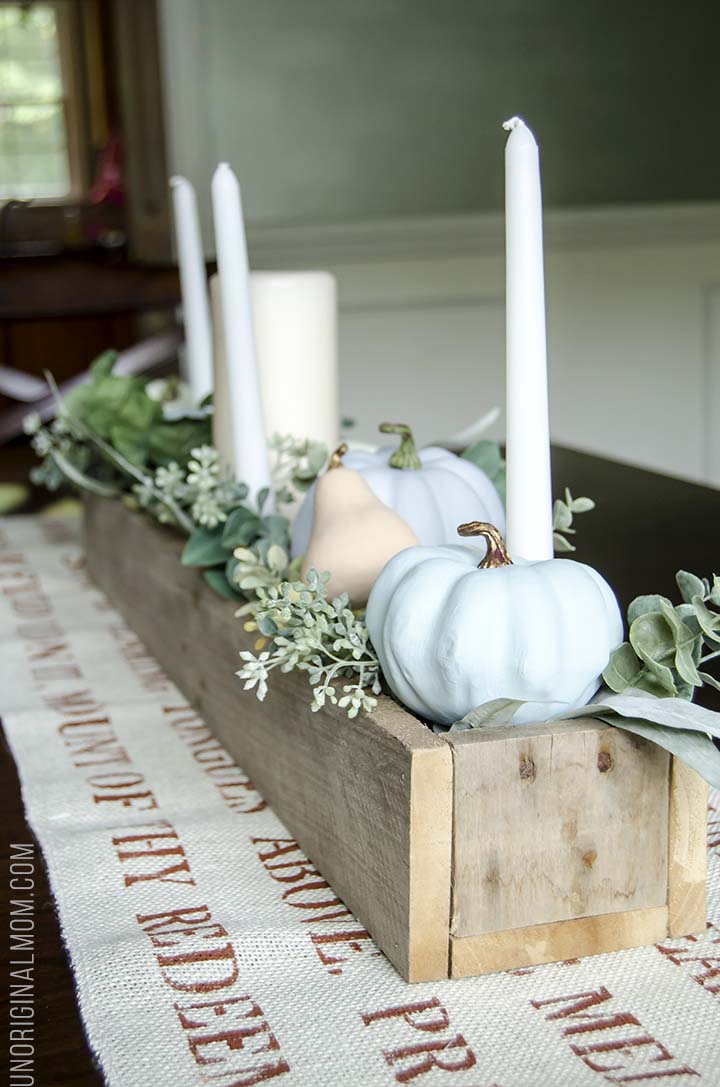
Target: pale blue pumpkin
column 452, row 632
column 431, row 490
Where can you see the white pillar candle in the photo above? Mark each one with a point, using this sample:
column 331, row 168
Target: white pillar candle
column 193, row 285
column 295, row 323
column 249, row 459
column 529, row 493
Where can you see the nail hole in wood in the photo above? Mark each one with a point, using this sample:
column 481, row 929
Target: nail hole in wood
column 605, row 762
column 527, row 769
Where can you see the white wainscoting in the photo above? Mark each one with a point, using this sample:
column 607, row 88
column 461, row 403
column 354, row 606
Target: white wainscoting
column 633, row 326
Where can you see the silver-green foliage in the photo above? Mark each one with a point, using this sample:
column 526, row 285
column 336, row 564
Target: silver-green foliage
column 668, row 645
column 563, row 515
column 312, row 634
column 296, row 463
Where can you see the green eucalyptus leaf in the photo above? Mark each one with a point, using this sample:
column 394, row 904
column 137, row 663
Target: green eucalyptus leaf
column 560, row 544
column 651, row 635
column 562, row 515
column 276, row 528
column 249, row 532
column 643, row 605
column 658, row 671
column 685, row 643
column 710, row 680
column 686, row 612
column 689, row 586
column 499, row 481
column 241, row 527
column 217, row 580
column 715, row 591
column 650, row 684
column 624, row 669
column 708, row 620
column 205, row 548
column 582, row 505
column 485, row 455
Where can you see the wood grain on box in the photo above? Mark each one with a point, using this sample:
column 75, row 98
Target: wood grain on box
column 555, row 841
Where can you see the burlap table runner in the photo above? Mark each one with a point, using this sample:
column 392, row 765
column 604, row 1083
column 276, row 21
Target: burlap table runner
column 207, row 951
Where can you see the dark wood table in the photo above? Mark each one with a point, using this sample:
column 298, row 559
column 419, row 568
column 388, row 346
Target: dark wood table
column 645, row 527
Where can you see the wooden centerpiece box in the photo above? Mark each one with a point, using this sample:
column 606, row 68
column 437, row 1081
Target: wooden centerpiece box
column 461, row 854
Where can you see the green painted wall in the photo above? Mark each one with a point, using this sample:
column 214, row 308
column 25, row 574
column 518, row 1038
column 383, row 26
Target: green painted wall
column 334, row 110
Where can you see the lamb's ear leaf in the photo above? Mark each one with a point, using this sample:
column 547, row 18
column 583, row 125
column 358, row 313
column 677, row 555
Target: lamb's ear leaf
column 217, row 580
column 205, row 548
column 674, row 713
column 694, row 748
column 237, row 530
column 499, row 711
column 103, row 365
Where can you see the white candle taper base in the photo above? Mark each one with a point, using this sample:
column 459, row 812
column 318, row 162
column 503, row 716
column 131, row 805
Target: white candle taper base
column 529, row 490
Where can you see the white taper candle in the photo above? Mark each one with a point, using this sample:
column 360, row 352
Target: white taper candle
column 250, row 461
column 529, row 491
column 193, row 285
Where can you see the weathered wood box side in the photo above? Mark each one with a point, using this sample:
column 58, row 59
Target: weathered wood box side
column 369, row 801
column 484, row 851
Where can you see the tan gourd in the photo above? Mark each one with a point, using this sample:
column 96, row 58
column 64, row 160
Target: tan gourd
column 354, row 534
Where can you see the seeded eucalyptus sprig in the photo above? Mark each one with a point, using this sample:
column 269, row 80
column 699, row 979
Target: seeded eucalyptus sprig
column 312, row 634
column 669, row 644
column 295, row 464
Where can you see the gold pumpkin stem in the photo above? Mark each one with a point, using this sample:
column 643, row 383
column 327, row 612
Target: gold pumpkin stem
column 336, row 458
column 497, row 555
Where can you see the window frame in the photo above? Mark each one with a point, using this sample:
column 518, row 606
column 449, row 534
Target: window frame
column 69, row 23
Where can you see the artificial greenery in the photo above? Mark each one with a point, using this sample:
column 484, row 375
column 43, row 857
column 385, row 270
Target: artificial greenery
column 487, row 455
column 668, row 644
column 312, row 634
column 563, row 516
column 296, row 464
column 244, row 553
column 123, row 411
column 148, row 444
